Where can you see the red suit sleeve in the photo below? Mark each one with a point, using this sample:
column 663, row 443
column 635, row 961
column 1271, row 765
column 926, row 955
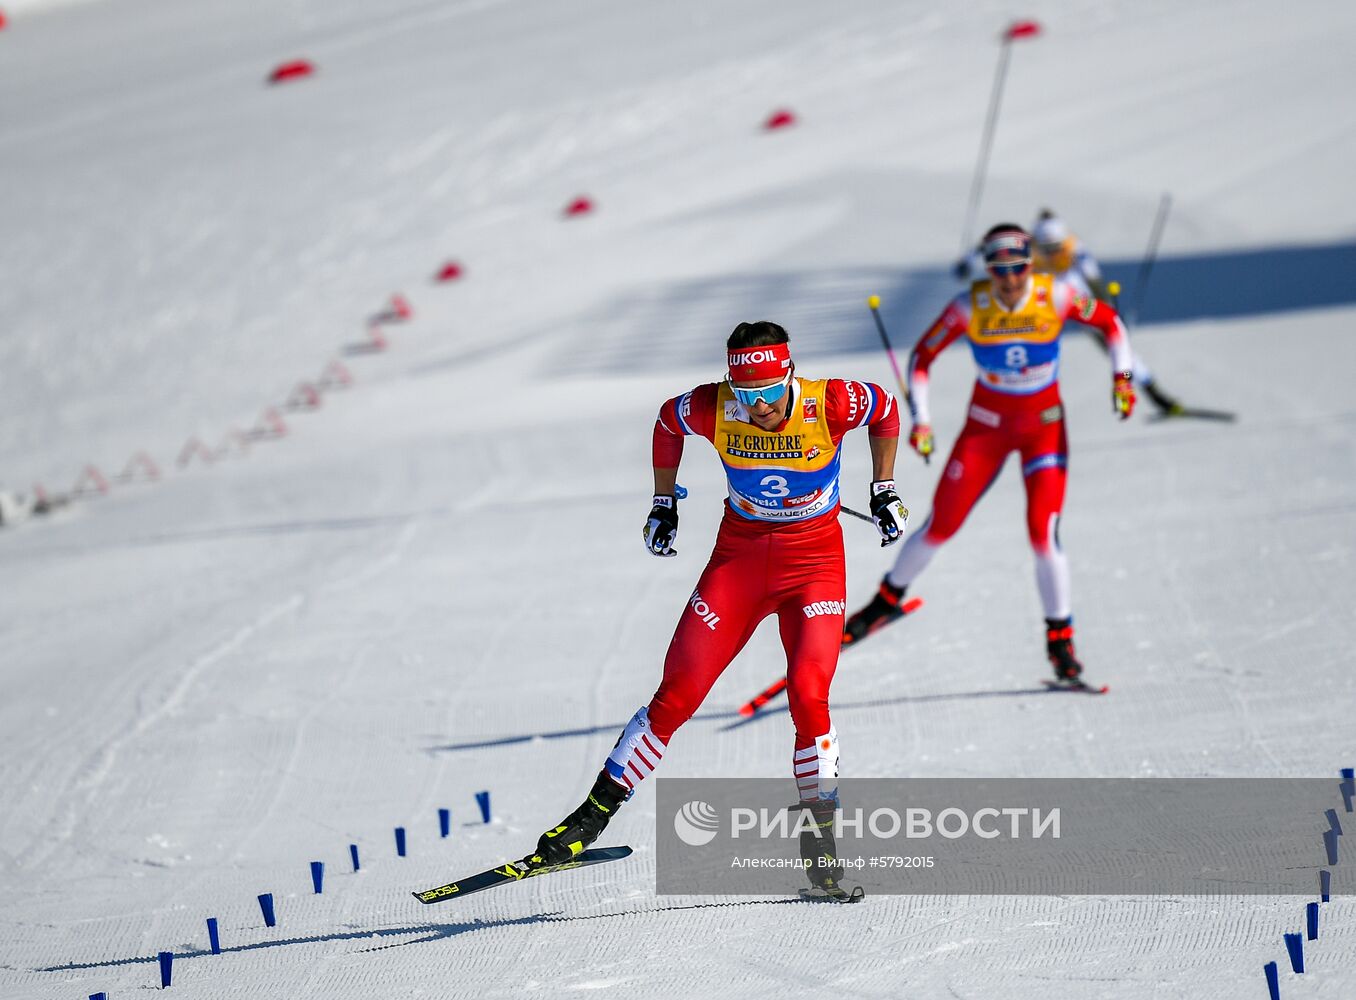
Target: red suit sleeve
column 850, row 405
column 954, row 321
column 691, row 413
column 1095, row 313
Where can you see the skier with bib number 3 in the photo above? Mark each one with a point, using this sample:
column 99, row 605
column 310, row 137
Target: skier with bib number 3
column 779, row 551
column 1012, row 321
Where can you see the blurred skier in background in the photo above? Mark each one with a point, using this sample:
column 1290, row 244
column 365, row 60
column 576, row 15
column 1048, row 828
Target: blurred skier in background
column 1012, row 319
column 779, row 551
column 1059, row 252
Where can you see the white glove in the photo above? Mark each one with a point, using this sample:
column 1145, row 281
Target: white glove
column 662, row 527
column 888, row 512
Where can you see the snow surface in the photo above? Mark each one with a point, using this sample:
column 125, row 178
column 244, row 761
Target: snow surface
column 434, row 584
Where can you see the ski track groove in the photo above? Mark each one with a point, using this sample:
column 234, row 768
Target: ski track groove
column 90, row 775
column 282, row 761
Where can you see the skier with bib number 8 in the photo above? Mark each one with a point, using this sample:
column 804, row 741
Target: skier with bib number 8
column 1012, row 320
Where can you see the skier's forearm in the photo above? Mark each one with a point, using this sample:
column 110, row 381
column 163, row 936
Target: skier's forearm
column 665, row 481
column 1118, row 345
column 883, row 450
column 1108, row 322
column 918, row 394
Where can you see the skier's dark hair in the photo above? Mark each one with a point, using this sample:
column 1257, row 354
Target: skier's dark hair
column 760, row 334
column 1003, row 227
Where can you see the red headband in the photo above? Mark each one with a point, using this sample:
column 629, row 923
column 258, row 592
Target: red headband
column 749, row 364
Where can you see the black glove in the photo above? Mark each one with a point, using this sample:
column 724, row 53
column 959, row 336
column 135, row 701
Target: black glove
column 662, row 527
column 888, row 512
column 970, row 267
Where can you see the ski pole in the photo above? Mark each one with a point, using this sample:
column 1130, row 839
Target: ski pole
column 681, row 494
column 763, row 697
column 1016, row 30
column 873, row 302
column 1150, row 255
column 869, row 520
column 857, row 514
column 751, row 707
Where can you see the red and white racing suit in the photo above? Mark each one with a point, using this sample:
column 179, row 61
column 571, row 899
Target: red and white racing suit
column 1015, row 407
column 779, row 551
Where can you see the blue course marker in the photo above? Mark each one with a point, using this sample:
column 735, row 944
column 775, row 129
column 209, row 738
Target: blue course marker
column 1325, row 885
column 483, row 800
column 444, row 821
column 1330, row 845
column 1311, row 919
column 213, row 936
column 318, row 876
column 353, row 853
column 400, row 840
column 98, row 996
column 1273, row 980
column 266, row 907
column 1333, row 825
column 166, row 968
column 1295, row 945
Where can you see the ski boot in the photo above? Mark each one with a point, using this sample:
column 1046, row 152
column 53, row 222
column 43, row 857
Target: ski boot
column 1060, row 648
column 582, row 827
column 1167, row 406
column 881, row 611
column 819, row 852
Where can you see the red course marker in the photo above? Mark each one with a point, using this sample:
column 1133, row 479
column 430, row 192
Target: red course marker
column 1022, row 29
column 296, row 69
column 582, row 205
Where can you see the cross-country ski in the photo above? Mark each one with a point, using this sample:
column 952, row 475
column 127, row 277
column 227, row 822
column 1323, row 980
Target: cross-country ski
column 517, row 871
